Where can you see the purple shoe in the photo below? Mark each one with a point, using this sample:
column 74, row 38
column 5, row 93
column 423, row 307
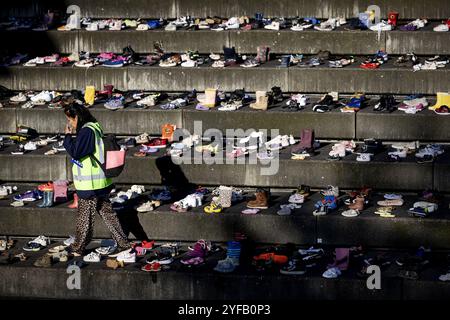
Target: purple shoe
column 408, row 27
column 197, row 254
column 201, row 107
column 29, row 196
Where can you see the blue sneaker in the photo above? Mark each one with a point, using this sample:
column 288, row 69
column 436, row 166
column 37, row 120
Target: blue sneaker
column 29, row 196
column 311, row 20
column 114, row 103
column 354, row 103
column 154, row 24
column 364, row 18
column 161, row 195
column 113, row 63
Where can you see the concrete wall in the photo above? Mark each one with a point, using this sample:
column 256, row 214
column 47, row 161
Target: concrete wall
column 433, row 9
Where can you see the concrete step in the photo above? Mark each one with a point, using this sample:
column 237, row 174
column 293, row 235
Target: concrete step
column 202, row 283
column 433, row 9
column 386, row 79
column 282, row 172
column 395, row 126
column 340, row 41
column 368, row 229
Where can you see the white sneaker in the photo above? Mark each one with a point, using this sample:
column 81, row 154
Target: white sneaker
column 275, row 25
column 399, row 153
column 142, row 27
column 170, row 27
column 148, row 101
column 296, row 198
column 406, row 145
column 116, row 25
column 92, row 26
column 92, row 257
column 42, row 240
column 430, row 150
column 214, row 56
column 181, row 22
column 69, row 241
column 43, row 96
column 441, row 28
column 189, row 64
column 104, row 251
column 146, row 207
column 18, row 98
column 381, row 26
column 445, row 277
column 127, row 256
column 232, row 23
column 30, row 146
column 34, row 62
column 301, row 99
column 328, row 25
column 137, row 188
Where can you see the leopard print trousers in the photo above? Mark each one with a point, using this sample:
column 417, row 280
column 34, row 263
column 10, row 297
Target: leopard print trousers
column 87, row 208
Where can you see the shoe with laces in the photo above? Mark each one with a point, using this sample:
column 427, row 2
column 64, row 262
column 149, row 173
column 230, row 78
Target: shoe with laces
column 92, row 257
column 37, row 244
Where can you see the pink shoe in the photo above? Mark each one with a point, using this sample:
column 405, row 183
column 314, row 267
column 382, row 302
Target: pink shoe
column 193, row 261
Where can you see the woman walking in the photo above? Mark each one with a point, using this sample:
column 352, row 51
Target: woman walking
column 89, row 179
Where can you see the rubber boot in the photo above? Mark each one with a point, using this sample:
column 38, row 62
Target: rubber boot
column 48, row 200
column 306, row 142
column 43, row 204
column 89, row 95
column 443, row 98
column 74, row 204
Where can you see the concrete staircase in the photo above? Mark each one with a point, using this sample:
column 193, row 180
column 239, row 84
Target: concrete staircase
column 402, row 232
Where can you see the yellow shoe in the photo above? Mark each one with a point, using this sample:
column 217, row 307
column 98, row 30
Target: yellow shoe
column 210, row 147
column 443, row 99
column 89, row 95
column 18, row 138
column 213, row 208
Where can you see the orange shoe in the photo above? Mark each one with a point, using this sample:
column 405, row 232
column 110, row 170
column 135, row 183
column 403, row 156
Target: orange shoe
column 275, row 258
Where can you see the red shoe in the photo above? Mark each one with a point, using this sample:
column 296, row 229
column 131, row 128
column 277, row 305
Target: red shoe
column 278, row 259
column 370, row 65
column 151, row 267
column 147, row 244
column 157, row 143
column 46, row 186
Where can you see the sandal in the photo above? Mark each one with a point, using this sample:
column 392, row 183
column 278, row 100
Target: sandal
column 140, row 154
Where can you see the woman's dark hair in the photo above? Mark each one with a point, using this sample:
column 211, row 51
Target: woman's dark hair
column 84, row 116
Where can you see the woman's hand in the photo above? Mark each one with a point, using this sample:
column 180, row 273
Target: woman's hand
column 68, row 129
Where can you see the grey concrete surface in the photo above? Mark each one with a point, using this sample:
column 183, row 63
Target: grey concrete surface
column 100, row 283
column 382, row 80
column 32, row 168
column 142, row 42
column 423, row 126
column 347, row 80
column 408, row 9
column 308, row 42
column 8, row 122
column 329, row 125
column 424, row 42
